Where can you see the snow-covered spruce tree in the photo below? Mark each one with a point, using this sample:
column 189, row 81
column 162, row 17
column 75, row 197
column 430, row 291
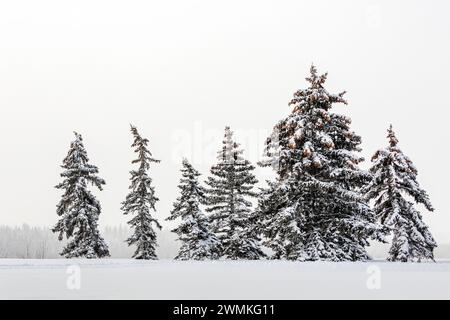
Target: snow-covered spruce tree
column 394, row 177
column 232, row 181
column 198, row 242
column 140, row 201
column 79, row 209
column 314, row 210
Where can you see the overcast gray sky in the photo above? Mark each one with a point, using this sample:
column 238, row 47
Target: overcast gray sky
column 182, row 70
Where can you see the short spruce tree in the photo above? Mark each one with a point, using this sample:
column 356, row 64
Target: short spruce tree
column 314, row 210
column 229, row 186
column 197, row 241
column 141, row 201
column 394, row 179
column 78, row 209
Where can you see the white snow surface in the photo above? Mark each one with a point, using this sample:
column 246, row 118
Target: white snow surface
column 167, row 279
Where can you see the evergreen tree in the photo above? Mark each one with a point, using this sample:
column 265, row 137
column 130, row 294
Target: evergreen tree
column 79, row 209
column 315, row 210
column 198, row 243
column 140, row 201
column 232, row 181
column 394, row 177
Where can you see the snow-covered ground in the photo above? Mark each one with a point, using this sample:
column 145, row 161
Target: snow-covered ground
column 165, row 279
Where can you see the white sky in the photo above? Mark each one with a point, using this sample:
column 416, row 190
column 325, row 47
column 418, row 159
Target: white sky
column 182, row 70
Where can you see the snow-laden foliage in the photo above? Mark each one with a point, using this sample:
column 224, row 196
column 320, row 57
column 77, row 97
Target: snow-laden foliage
column 314, row 210
column 198, row 242
column 229, row 186
column 79, row 209
column 140, row 201
column 394, row 177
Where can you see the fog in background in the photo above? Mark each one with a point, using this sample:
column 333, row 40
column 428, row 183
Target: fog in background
column 182, row 70
column 30, row 242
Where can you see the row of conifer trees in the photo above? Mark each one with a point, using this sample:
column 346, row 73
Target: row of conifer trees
column 320, row 206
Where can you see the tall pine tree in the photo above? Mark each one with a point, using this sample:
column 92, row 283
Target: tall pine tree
column 141, row 201
column 394, row 177
column 79, row 209
column 230, row 185
column 314, row 210
column 198, row 242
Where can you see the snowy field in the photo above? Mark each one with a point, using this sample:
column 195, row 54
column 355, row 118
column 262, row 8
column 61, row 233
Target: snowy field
column 165, row 279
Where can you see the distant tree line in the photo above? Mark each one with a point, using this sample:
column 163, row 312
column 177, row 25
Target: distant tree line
column 27, row 242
